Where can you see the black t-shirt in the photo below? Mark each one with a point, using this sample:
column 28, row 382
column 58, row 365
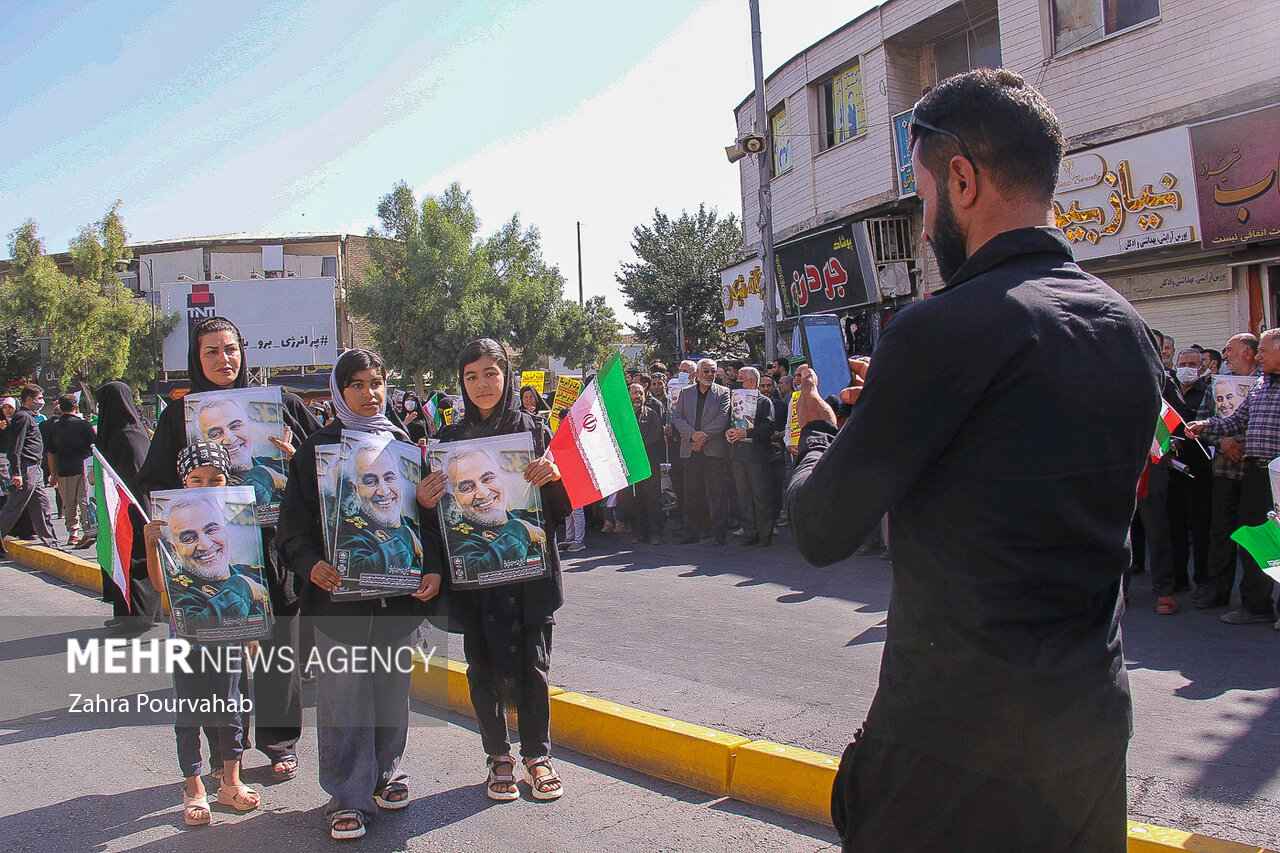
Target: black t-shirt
column 70, row 440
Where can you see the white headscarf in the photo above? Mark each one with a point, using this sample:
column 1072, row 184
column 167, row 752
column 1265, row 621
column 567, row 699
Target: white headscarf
column 378, row 423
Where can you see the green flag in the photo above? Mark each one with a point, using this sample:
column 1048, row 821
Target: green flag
column 1263, row 544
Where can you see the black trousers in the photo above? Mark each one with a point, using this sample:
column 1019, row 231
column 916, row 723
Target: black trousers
column 1154, row 512
column 1190, row 509
column 1223, row 550
column 528, row 687
column 277, row 689
column 1257, row 590
column 895, row 799
column 646, row 504
column 753, row 481
column 706, row 489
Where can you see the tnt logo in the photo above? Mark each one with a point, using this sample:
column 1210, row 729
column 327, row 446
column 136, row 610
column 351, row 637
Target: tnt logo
column 200, row 306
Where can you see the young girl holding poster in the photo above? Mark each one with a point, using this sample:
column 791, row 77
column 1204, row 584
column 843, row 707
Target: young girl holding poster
column 203, row 464
column 507, row 629
column 362, row 715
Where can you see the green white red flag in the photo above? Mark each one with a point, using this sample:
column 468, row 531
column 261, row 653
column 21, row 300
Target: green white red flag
column 1167, row 423
column 598, row 447
column 115, row 531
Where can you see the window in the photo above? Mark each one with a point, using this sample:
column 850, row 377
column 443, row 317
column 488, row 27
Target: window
column 844, row 111
column 1080, row 22
column 329, row 266
column 779, row 142
column 978, row 47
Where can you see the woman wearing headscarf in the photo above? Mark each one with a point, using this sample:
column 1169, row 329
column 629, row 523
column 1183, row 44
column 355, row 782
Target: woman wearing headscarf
column 507, row 629
column 122, row 440
column 215, row 362
column 411, row 414
column 362, row 716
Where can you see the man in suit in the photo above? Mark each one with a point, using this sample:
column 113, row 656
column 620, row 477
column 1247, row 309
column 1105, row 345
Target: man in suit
column 701, row 416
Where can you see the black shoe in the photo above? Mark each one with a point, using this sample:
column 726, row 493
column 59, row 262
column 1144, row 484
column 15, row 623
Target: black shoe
column 131, row 626
column 753, row 540
column 111, row 623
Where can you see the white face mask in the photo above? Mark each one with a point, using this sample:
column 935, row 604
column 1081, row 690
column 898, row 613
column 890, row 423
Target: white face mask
column 410, row 405
column 1187, row 375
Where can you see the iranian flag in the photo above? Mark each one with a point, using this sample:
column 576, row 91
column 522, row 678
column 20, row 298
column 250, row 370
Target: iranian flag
column 1169, row 421
column 115, row 531
column 598, row 446
column 432, row 410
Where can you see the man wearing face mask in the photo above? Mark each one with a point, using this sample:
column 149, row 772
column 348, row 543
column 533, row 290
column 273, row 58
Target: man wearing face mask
column 1002, row 715
column 1190, row 491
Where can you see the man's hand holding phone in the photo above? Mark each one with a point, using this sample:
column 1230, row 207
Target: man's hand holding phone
column 811, row 407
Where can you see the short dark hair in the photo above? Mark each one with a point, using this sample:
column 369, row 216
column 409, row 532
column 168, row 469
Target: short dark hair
column 658, row 367
column 1214, row 355
column 353, row 361
column 735, row 363
column 30, row 391
column 1159, row 334
column 67, row 402
column 644, row 379
column 1005, row 123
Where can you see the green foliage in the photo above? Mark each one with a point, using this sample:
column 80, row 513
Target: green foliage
column 97, row 330
column 584, row 335
column 678, row 266
column 433, row 285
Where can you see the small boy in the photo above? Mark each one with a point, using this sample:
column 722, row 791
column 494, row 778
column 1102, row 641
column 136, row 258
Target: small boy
column 203, row 464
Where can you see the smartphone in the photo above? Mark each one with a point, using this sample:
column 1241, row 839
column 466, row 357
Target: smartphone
column 823, row 343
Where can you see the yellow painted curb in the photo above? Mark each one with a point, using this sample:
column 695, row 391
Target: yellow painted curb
column 1145, row 838
column 444, row 684
column 694, row 756
column 69, row 567
column 791, row 780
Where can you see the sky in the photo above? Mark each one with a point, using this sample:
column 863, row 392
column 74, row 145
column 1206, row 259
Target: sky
column 245, row 115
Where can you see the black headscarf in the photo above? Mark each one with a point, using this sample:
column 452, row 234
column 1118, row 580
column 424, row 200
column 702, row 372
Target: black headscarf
column 506, row 417
column 122, row 438
column 539, row 406
column 195, row 370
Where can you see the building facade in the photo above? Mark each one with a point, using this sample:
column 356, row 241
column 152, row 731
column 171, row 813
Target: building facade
column 1169, row 191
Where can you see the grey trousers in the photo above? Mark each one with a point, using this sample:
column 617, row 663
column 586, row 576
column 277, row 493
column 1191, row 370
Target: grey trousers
column 362, row 722
column 34, row 501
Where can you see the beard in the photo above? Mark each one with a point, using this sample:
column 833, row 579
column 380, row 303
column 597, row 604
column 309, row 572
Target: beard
column 208, row 572
column 949, row 243
column 239, row 453
column 387, row 516
column 490, row 516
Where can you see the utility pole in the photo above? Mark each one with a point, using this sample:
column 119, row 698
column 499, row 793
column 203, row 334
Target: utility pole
column 767, row 266
column 581, row 300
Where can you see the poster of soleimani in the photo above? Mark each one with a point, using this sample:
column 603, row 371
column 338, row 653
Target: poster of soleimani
column 492, row 517
column 244, row 420
column 376, row 543
column 211, row 556
column 1229, row 392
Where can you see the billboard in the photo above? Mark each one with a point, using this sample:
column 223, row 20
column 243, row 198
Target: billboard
column 286, row 322
column 742, row 295
column 827, row 272
column 1236, row 161
column 1128, row 196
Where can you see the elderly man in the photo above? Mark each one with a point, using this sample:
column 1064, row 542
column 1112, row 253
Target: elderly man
column 483, row 529
column 701, row 416
column 1002, row 716
column 378, row 538
column 1257, row 419
column 225, row 422
column 1240, row 354
column 749, row 439
column 221, row 594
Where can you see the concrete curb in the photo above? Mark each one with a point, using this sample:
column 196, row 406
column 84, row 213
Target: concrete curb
column 779, row 777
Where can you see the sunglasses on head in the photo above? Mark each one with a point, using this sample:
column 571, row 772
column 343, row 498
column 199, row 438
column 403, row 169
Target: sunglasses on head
column 924, row 125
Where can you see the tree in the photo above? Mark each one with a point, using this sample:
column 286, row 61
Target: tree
column 679, row 263
column 584, row 335
column 96, row 329
column 432, row 286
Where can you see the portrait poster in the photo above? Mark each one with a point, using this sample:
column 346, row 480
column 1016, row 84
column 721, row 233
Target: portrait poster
column 492, row 518
column 211, row 558
column 377, row 548
column 1229, row 392
column 244, row 420
column 327, row 489
column 742, row 407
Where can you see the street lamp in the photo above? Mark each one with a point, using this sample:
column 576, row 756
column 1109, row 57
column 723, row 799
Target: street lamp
column 151, row 297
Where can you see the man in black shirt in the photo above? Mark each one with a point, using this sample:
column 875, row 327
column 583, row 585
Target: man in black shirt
column 70, row 443
column 1009, row 474
column 25, row 453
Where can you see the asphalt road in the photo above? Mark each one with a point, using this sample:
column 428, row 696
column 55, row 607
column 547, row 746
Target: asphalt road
column 748, row 640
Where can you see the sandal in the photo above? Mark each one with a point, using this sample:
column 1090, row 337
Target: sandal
column 545, row 786
column 242, row 799
column 394, row 795
column 195, row 810
column 504, row 781
column 285, row 769
column 348, row 817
